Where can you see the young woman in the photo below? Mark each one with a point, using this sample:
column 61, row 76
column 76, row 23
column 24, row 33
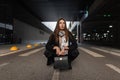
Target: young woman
column 61, row 42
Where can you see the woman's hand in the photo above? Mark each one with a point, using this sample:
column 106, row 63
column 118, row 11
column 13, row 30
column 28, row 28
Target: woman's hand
column 62, row 52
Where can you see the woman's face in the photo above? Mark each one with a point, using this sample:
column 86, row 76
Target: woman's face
column 62, row 24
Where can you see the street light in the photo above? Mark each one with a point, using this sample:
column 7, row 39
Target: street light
column 110, row 26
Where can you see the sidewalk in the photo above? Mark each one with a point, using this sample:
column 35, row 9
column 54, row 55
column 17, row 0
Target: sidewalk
column 6, row 48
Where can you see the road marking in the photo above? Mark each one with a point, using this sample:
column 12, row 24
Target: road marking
column 31, row 52
column 115, row 50
column 4, row 64
column 94, row 54
column 106, row 51
column 113, row 67
column 111, row 49
column 56, row 75
column 5, row 54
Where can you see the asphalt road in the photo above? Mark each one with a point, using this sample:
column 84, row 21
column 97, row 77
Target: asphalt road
column 93, row 63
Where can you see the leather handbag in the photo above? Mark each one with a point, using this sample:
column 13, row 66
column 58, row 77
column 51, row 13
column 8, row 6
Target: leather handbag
column 61, row 62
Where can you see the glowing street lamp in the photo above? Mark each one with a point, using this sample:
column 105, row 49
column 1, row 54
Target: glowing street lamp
column 110, row 26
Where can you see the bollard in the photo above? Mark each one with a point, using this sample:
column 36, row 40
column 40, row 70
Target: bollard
column 29, row 46
column 14, row 48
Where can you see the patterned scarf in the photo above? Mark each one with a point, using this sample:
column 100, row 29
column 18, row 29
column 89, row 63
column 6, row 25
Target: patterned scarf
column 62, row 40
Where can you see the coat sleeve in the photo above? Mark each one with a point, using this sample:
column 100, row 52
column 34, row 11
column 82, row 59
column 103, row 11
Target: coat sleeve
column 72, row 43
column 50, row 44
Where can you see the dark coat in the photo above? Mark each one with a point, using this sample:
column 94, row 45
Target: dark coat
column 51, row 43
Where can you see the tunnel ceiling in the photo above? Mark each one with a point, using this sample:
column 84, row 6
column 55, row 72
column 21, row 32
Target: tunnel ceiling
column 51, row 10
column 107, row 13
column 103, row 11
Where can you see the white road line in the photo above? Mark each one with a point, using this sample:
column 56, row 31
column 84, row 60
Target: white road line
column 56, row 75
column 94, row 54
column 5, row 54
column 4, row 64
column 106, row 51
column 111, row 49
column 118, row 51
column 113, row 67
column 31, row 52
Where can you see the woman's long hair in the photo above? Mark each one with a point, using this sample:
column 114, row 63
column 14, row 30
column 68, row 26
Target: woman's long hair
column 57, row 29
